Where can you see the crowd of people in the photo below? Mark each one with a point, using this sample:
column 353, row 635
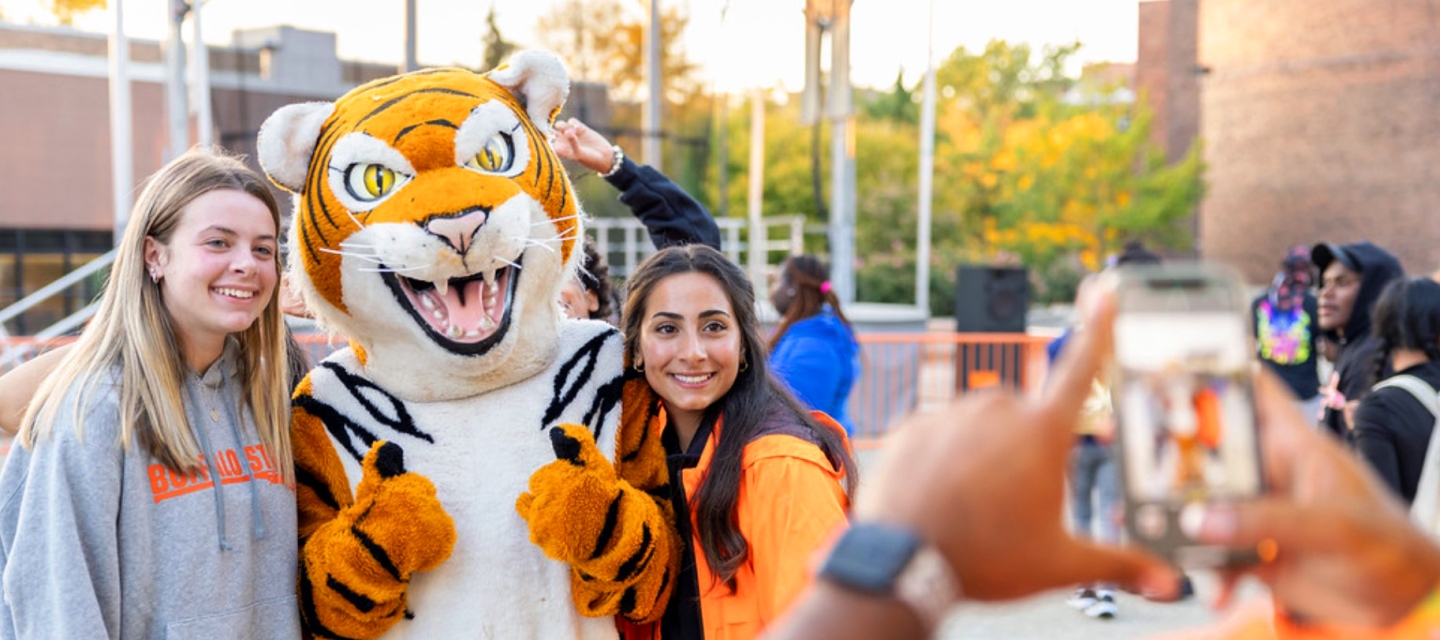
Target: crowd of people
column 186, row 367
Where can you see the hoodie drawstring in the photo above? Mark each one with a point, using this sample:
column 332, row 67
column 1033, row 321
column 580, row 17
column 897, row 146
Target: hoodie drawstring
column 250, row 476
column 208, row 453
column 202, row 431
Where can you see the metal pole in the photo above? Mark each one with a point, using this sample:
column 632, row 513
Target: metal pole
column 651, row 125
column 722, row 205
column 757, row 257
column 927, row 173
column 200, row 87
column 177, row 115
column 842, row 209
column 842, row 155
column 410, row 63
column 121, row 172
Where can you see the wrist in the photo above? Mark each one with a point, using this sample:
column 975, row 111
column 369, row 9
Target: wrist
column 889, row 562
column 617, row 160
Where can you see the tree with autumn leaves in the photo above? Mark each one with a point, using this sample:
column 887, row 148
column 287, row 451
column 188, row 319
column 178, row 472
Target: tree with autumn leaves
column 1032, row 166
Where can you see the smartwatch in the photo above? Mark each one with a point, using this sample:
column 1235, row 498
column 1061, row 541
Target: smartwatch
column 889, row 561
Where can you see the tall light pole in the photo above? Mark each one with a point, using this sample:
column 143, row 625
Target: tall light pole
column 758, row 255
column 833, row 17
column 176, row 113
column 411, row 63
column 122, row 173
column 200, row 79
column 653, row 77
column 927, row 173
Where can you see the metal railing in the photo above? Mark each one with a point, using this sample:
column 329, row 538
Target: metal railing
column 625, row 243
column 903, row 373
column 13, row 351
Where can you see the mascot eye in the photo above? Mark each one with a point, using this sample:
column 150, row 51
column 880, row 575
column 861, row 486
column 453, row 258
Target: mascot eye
column 369, row 182
column 497, row 155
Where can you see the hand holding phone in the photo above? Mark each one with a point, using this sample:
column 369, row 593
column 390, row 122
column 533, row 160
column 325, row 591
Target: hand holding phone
column 1184, row 401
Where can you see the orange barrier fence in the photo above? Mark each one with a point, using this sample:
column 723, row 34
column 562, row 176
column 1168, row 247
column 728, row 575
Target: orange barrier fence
column 908, row 372
column 901, row 372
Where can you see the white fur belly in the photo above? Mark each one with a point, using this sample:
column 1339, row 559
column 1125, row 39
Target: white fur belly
column 496, row 583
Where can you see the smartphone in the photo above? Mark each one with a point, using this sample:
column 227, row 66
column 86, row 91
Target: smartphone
column 1182, row 389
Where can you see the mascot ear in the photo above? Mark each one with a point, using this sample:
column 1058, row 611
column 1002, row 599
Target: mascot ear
column 539, row 81
column 287, row 140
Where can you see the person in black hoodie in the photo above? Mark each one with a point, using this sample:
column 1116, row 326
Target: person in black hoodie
column 1392, row 427
column 1351, row 279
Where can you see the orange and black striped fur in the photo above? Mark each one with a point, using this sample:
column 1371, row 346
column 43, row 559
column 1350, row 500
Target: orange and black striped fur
column 463, row 468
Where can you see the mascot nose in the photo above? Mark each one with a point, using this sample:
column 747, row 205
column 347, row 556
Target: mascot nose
column 458, row 229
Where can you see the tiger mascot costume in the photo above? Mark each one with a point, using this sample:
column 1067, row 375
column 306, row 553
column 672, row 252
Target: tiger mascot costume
column 463, row 468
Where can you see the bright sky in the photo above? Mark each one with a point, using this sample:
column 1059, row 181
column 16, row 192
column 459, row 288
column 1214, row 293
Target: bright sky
column 757, row 43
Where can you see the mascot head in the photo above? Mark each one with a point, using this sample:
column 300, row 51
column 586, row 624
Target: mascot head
column 434, row 224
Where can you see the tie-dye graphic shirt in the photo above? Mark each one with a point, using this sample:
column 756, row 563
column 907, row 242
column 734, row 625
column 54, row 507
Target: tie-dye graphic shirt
column 1285, row 339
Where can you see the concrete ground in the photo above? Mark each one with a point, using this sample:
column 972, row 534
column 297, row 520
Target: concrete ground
column 1047, row 617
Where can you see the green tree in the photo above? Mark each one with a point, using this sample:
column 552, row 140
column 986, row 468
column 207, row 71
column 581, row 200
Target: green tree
column 897, row 105
column 497, row 48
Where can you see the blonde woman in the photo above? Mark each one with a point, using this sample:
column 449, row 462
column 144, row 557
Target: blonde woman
column 149, row 493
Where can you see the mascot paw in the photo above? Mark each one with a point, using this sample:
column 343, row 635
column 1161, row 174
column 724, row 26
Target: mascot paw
column 400, row 514
column 573, row 502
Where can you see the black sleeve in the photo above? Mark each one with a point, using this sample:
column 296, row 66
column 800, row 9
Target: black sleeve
column 1312, row 312
column 670, row 215
column 1356, row 367
column 1255, row 321
column 1376, row 443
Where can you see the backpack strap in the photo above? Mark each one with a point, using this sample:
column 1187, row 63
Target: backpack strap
column 1422, row 391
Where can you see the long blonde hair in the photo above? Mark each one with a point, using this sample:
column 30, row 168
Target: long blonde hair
column 133, row 336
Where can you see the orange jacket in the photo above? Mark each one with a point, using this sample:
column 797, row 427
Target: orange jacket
column 1256, row 621
column 791, row 502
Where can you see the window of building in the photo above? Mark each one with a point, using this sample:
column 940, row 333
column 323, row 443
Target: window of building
column 33, row 258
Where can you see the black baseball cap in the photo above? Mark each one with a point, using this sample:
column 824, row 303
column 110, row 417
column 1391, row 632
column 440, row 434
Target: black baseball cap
column 1326, row 252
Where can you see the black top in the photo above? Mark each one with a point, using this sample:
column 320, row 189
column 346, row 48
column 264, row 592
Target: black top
column 670, row 215
column 1355, row 365
column 1285, row 340
column 682, row 616
column 1392, row 432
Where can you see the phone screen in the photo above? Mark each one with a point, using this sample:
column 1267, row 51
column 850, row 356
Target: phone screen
column 1183, row 400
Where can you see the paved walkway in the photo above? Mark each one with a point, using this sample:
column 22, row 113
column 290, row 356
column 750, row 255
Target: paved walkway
column 1047, row 617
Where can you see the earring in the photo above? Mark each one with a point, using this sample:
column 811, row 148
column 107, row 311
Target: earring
column 744, row 364
column 154, row 276
column 639, row 367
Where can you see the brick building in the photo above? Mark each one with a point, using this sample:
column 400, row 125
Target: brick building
column 54, row 118
column 1319, row 120
column 1167, row 77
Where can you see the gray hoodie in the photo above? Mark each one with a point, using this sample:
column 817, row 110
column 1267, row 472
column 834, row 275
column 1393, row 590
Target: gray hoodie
column 97, row 542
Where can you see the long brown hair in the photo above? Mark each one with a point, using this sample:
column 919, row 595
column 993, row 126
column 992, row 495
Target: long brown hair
column 133, row 335
column 808, row 287
column 745, row 407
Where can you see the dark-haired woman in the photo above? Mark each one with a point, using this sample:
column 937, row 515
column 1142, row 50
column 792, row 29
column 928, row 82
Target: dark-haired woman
column 764, row 481
column 1392, row 426
column 814, row 351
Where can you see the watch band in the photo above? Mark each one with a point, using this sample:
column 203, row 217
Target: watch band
column 618, row 162
column 884, row 560
column 928, row 586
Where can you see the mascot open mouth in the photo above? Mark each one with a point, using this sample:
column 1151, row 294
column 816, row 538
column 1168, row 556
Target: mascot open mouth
column 465, row 315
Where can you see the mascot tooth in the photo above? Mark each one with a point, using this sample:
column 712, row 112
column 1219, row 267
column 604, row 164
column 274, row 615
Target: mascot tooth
column 472, row 465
